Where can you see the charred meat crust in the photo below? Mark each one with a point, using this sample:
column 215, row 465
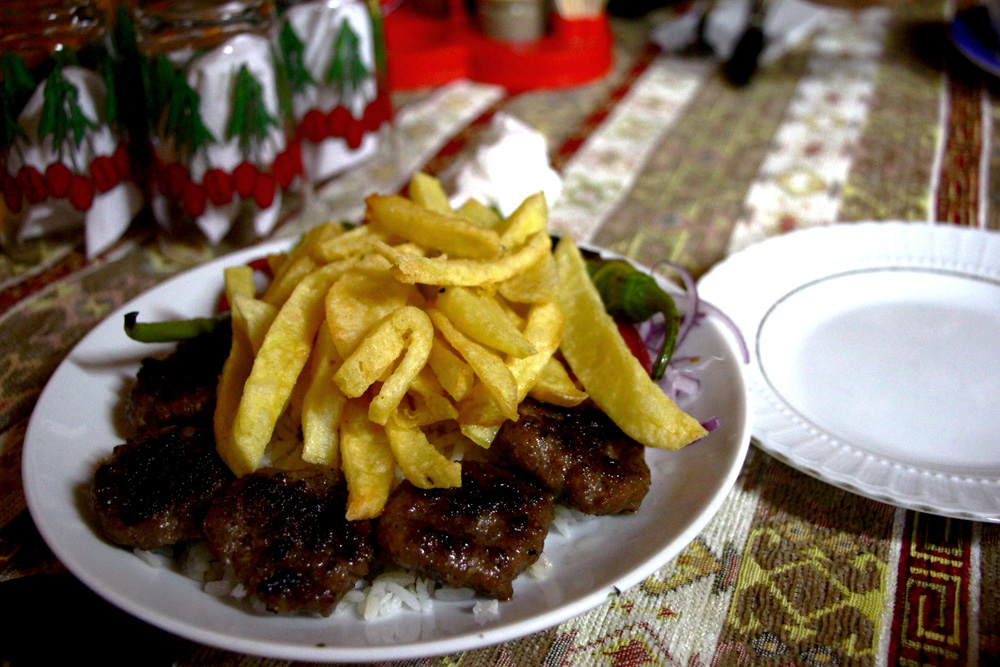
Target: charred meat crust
column 285, row 535
column 181, row 386
column 156, row 488
column 579, row 454
column 480, row 535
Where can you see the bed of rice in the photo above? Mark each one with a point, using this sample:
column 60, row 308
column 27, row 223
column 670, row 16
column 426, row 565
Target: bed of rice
column 392, row 591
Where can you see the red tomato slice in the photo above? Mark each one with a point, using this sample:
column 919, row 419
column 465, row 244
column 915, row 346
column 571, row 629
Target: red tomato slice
column 635, row 343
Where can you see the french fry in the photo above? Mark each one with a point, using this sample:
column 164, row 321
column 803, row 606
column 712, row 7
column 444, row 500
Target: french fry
column 432, row 404
column 453, row 236
column 452, row 372
column 293, row 271
column 277, row 366
column 482, row 319
column 412, row 268
column 427, row 191
column 527, row 219
column 298, row 263
column 255, row 318
column 361, row 298
column 606, row 368
column 487, row 365
column 236, row 369
column 544, row 331
column 367, row 461
column 408, row 329
column 238, row 280
column 419, row 461
column 480, row 435
column 350, row 243
column 479, row 214
column 555, row 386
column 538, row 283
column 322, row 405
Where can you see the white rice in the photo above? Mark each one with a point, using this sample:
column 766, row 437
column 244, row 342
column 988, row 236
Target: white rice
column 392, row 591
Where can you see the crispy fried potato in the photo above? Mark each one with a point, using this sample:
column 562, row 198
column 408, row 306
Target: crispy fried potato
column 609, row 372
column 413, row 268
column 361, row 298
column 367, row 461
column 292, row 273
column 350, row 243
column 482, row 319
column 249, row 324
column 488, row 365
column 299, row 263
column 322, row 405
column 408, row 329
column 538, row 283
column 452, row 372
column 527, row 219
column 430, row 404
column 419, row 461
column 427, row 191
column 277, row 365
column 555, row 386
column 479, row 213
column 453, row 236
column 543, row 330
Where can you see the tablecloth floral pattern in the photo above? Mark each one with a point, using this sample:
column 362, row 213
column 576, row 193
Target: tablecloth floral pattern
column 875, row 118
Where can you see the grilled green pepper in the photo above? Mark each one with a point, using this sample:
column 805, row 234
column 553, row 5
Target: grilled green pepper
column 172, row 330
column 633, row 296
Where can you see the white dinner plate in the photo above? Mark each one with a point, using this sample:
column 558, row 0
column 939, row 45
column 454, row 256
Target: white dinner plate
column 876, row 358
column 78, row 419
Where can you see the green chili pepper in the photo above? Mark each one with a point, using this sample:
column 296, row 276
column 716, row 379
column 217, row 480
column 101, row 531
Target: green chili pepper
column 172, row 330
column 633, row 296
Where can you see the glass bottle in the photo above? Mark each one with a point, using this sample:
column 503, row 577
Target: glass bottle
column 64, row 147
column 222, row 155
column 333, row 56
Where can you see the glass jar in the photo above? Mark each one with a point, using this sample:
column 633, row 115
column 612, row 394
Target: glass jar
column 66, row 159
column 334, row 60
column 222, row 155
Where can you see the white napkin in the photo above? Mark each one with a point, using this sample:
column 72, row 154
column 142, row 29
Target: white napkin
column 787, row 24
column 509, row 165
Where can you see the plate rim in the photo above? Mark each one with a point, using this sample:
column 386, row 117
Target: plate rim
column 414, row 649
column 969, row 44
column 773, row 430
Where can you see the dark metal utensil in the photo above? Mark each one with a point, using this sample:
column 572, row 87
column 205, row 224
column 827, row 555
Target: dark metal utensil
column 743, row 62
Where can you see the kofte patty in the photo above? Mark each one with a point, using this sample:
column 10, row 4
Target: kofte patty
column 180, row 386
column 579, row 454
column 156, row 488
column 480, row 535
column 285, row 535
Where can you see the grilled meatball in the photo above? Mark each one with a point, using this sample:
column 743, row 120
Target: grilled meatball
column 157, row 487
column 180, row 386
column 285, row 535
column 579, row 454
column 480, row 535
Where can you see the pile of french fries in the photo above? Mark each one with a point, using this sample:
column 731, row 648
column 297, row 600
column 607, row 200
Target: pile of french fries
column 425, row 320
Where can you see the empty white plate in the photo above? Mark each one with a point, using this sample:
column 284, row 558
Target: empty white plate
column 876, row 358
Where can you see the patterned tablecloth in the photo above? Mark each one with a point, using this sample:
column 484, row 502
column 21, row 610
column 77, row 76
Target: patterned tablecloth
column 877, row 117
